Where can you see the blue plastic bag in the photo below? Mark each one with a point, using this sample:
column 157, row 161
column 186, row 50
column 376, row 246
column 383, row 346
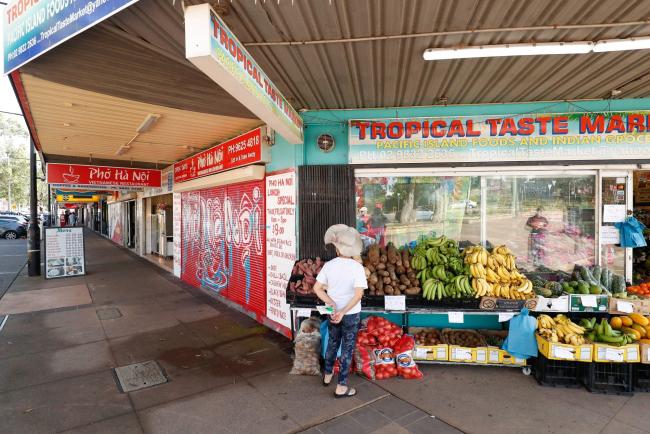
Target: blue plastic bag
column 631, row 231
column 521, row 341
column 325, row 337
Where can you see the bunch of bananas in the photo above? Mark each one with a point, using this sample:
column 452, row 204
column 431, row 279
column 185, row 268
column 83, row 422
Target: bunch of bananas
column 560, row 329
column 456, row 287
column 495, row 274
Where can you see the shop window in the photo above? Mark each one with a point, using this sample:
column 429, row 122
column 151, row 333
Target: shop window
column 401, row 209
column 548, row 221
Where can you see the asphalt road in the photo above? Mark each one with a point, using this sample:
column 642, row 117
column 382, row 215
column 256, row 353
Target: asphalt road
column 13, row 256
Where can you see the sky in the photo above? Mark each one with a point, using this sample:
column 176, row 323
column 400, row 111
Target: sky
column 8, row 101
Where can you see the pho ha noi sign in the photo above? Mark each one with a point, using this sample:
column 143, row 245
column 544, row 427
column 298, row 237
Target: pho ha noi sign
column 494, row 138
column 85, row 176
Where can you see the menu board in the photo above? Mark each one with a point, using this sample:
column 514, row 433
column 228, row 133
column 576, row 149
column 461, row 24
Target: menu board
column 64, row 252
column 280, row 242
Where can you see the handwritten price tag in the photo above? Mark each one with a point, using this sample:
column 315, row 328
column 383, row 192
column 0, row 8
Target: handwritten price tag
column 503, row 317
column 303, row 313
column 625, row 306
column 456, row 317
column 589, row 301
column 395, row 302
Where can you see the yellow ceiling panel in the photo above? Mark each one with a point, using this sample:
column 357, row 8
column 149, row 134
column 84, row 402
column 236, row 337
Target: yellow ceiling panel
column 81, row 123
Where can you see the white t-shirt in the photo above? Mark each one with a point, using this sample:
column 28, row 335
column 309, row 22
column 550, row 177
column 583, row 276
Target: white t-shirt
column 342, row 275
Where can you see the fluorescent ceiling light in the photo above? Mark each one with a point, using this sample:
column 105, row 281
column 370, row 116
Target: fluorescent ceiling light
column 148, row 122
column 123, row 150
column 540, row 49
column 622, row 44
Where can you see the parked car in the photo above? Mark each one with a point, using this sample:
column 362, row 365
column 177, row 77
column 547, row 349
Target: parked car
column 14, row 216
column 12, row 228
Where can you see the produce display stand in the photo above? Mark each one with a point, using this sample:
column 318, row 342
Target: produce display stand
column 599, row 366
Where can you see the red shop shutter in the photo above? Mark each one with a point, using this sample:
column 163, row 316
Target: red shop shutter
column 191, row 236
column 245, row 235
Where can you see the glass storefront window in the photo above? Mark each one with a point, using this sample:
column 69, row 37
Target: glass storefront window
column 547, row 221
column 400, row 209
column 613, row 193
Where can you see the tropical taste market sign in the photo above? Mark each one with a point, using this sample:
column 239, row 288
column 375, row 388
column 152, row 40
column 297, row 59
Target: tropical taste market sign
column 84, row 176
column 240, row 151
column 494, row 138
column 32, row 27
column 215, row 50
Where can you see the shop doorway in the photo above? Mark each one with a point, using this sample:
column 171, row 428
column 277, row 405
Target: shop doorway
column 130, row 225
column 616, row 200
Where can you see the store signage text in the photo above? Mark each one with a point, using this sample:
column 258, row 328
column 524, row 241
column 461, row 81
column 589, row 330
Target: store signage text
column 32, row 27
column 213, row 48
column 575, row 136
column 240, row 151
column 77, row 175
column 280, row 242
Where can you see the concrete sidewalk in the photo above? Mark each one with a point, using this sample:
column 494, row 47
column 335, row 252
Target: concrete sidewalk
column 227, row 374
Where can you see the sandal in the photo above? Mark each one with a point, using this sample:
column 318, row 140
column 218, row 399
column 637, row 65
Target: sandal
column 326, row 383
column 351, row 391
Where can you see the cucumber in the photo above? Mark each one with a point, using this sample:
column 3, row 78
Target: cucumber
column 597, row 271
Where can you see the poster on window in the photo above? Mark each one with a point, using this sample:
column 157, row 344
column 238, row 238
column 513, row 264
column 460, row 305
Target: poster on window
column 280, row 242
column 64, row 252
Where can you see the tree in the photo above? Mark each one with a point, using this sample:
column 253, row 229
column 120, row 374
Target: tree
column 14, row 163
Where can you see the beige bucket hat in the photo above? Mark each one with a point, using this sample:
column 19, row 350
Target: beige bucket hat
column 346, row 239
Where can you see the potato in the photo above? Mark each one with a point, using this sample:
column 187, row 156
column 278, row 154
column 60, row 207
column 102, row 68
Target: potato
column 389, row 290
column 380, row 293
column 380, row 266
column 402, row 287
column 400, row 270
column 383, row 259
column 371, row 268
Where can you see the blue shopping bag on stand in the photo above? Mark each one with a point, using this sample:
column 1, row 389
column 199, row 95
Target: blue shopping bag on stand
column 325, row 337
column 521, row 341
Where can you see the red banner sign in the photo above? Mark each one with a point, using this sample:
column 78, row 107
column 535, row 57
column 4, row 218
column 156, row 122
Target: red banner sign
column 240, row 151
column 77, row 175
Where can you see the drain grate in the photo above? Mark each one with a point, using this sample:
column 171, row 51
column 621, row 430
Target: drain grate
column 140, row 376
column 108, row 313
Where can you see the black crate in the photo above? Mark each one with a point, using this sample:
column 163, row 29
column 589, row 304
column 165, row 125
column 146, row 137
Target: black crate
column 608, row 378
column 377, row 301
column 557, row 373
column 641, row 377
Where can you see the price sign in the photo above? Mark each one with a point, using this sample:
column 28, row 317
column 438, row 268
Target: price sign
column 395, row 302
column 625, row 306
column 303, row 313
column 503, row 317
column 589, row 301
column 456, row 317
column 463, row 353
column 563, row 353
column 615, row 355
column 421, row 353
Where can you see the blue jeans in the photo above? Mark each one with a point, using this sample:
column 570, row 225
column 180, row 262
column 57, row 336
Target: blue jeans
column 345, row 331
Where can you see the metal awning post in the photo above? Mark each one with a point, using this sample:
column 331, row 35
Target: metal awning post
column 33, row 231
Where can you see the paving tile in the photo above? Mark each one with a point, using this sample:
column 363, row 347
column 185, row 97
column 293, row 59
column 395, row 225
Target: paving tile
column 303, row 398
column 607, row 405
column 225, row 328
column 33, row 333
column 186, row 307
column 313, row 430
column 235, row 408
column 254, row 355
column 412, row 417
column 342, row 425
column 44, row 299
column 183, row 384
column 139, row 317
column 391, row 428
column 175, row 348
column 442, row 393
column 428, row 425
column 635, row 411
column 63, row 404
column 125, row 424
column 369, row 419
column 393, row 408
column 617, row 427
column 27, row 370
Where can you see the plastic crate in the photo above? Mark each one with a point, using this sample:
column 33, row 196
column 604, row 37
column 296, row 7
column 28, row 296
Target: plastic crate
column 608, row 378
column 557, row 373
column 641, row 375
